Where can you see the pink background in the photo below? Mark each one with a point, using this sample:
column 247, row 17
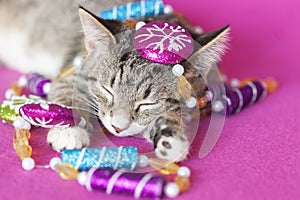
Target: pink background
column 258, row 154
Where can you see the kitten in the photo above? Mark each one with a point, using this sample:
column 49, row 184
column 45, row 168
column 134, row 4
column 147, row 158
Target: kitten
column 128, row 93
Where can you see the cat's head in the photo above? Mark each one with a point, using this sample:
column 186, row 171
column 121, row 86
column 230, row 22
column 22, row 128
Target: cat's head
column 130, row 91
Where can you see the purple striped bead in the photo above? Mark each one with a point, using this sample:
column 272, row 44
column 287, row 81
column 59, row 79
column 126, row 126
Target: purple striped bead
column 244, row 96
column 119, row 182
column 36, row 83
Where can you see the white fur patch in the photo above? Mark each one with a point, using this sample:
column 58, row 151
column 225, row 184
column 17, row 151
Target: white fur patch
column 178, row 150
column 133, row 128
column 15, row 51
column 68, row 138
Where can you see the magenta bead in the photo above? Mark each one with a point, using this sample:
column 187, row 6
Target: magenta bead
column 48, row 115
column 163, row 42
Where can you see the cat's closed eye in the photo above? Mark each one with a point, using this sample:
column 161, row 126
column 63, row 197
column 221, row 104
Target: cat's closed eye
column 146, row 105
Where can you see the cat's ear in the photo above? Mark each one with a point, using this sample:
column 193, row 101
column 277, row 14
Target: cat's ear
column 98, row 31
column 212, row 47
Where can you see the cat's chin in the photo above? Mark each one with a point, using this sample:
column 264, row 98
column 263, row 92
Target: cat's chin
column 134, row 128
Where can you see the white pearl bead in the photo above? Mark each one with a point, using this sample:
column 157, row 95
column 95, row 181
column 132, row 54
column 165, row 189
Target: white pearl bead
column 82, row 122
column 54, row 161
column 28, row 164
column 184, row 171
column 178, row 70
column 171, row 190
column 235, row 82
column 20, row 123
column 47, row 88
column 143, row 161
column 9, row 93
column 77, row 61
column 139, row 25
column 188, row 118
column 44, row 105
column 209, row 95
column 22, row 81
column 168, row 9
column 198, row 29
column 82, row 178
column 218, row 106
column 191, row 103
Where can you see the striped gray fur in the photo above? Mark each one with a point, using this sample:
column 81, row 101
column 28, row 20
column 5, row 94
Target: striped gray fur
column 128, row 93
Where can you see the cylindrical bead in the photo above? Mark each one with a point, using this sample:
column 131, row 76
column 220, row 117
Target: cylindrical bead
column 134, row 184
column 115, row 158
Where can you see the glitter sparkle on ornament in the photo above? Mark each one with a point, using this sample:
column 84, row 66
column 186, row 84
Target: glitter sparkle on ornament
column 163, row 42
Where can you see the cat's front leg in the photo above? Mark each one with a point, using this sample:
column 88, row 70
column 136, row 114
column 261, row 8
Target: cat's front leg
column 73, row 137
column 168, row 137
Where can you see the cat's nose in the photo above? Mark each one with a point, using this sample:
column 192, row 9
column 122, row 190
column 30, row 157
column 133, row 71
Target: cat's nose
column 118, row 130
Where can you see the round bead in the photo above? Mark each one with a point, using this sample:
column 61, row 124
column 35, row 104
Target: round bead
column 54, row 161
column 82, row 178
column 47, row 87
column 77, row 61
column 209, row 95
column 9, row 93
column 171, row 190
column 178, row 70
column 28, row 164
column 188, row 118
column 82, row 122
column 20, row 123
column 143, row 161
column 235, row 82
column 139, row 25
column 168, row 9
column 44, row 105
column 218, row 106
column 22, row 81
column 191, row 103
column 271, row 85
column 198, row 29
column 184, row 171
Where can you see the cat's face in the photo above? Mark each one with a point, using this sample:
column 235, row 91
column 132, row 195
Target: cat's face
column 129, row 91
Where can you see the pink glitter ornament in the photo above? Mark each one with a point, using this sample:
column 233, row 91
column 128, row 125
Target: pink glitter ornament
column 163, row 42
column 48, row 115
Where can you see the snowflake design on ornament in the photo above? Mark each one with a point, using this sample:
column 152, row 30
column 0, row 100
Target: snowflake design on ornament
column 172, row 38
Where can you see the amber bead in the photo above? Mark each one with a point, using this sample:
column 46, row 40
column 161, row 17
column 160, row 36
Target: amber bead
column 21, row 144
column 184, row 88
column 201, row 102
column 131, row 23
column 184, row 183
column 246, row 81
column 66, row 171
column 271, row 85
column 17, row 89
column 163, row 166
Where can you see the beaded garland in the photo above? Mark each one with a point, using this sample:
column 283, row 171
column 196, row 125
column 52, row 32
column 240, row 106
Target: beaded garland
column 36, row 112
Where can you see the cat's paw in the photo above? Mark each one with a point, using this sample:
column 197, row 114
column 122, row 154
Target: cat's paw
column 173, row 147
column 68, row 138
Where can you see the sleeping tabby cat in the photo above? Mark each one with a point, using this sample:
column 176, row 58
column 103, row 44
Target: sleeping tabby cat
column 128, row 93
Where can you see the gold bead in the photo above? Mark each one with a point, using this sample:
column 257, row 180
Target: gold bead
column 66, row 171
column 184, row 183
column 184, row 88
column 163, row 166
